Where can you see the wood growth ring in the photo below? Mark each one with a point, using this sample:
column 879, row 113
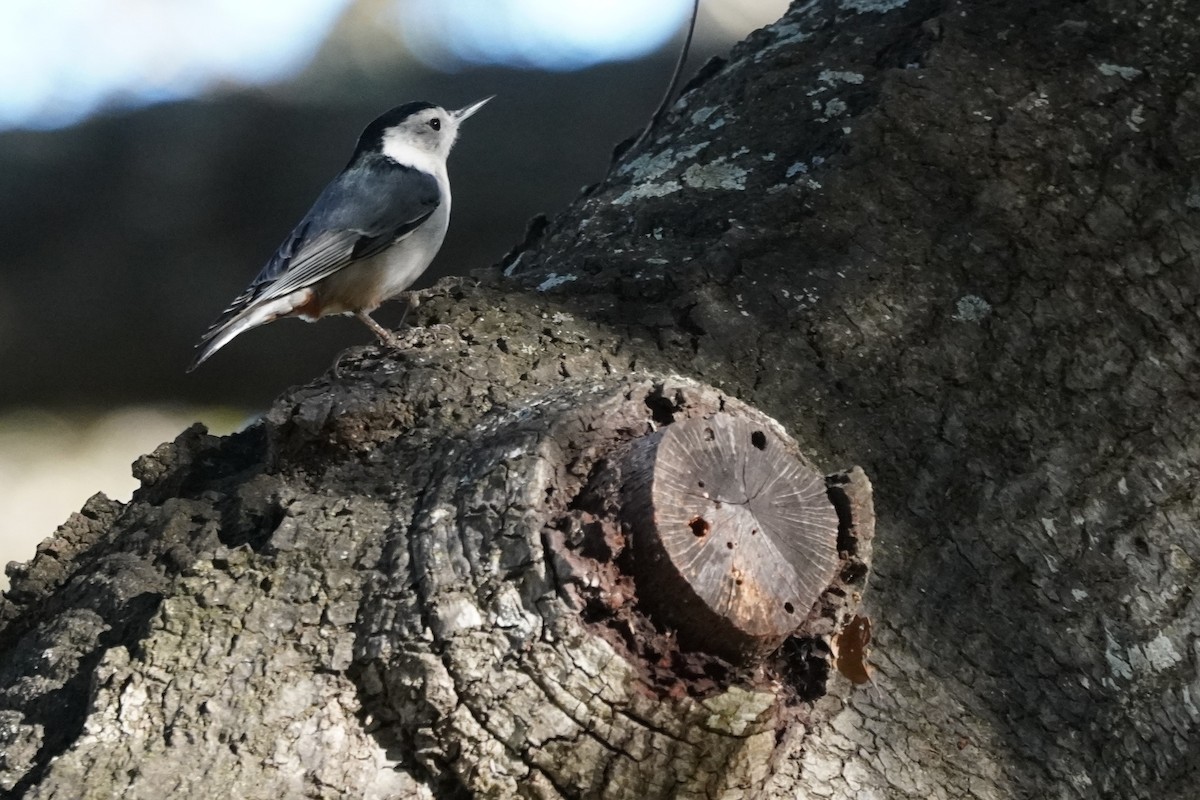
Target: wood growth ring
column 735, row 532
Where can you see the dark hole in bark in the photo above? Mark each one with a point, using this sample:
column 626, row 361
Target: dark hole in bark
column 759, row 440
column 700, row 484
column 662, row 410
column 788, row 607
column 709, row 435
column 699, row 526
column 729, row 545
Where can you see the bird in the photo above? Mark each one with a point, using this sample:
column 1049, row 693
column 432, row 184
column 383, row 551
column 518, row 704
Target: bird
column 368, row 236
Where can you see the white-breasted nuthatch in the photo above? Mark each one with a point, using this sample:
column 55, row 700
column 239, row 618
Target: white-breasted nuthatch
column 371, row 232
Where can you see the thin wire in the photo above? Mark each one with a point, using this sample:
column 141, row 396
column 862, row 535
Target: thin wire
column 666, row 101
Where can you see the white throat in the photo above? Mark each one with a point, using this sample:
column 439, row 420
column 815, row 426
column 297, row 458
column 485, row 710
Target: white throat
column 404, row 153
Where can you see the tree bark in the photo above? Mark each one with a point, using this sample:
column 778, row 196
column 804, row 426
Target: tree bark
column 955, row 244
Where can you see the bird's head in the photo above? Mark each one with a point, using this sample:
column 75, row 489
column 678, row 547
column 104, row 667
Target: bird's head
column 415, row 134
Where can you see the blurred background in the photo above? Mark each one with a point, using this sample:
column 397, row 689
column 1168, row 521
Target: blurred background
column 154, row 153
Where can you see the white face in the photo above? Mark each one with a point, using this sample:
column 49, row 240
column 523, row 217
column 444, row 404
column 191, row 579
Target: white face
column 423, row 140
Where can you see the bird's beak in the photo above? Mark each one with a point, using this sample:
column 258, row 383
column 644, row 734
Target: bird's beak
column 463, row 113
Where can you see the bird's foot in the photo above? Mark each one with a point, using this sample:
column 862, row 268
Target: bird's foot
column 386, row 337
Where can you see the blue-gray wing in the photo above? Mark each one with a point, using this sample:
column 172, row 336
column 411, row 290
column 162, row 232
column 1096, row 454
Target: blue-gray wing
column 370, row 206
column 363, row 211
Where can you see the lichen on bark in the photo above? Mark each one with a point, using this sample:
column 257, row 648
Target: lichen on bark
column 959, row 250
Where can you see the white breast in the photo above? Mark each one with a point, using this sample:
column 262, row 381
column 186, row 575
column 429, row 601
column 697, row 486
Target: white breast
column 404, row 261
column 364, row 285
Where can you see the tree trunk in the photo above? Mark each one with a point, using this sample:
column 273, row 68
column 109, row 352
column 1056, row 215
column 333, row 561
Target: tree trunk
column 955, row 244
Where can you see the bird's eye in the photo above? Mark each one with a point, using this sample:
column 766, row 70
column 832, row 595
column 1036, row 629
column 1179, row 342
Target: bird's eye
column 435, row 123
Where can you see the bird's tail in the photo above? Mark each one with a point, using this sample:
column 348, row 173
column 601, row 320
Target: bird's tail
column 236, row 320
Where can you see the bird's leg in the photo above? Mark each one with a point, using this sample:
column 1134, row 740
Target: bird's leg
column 385, row 336
column 383, row 333
column 411, row 301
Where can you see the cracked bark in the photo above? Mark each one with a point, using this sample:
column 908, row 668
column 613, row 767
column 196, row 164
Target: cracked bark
column 955, row 244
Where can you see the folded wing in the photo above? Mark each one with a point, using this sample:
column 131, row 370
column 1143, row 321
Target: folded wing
column 369, row 207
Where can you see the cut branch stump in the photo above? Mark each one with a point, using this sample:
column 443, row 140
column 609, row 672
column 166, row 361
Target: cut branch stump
column 733, row 536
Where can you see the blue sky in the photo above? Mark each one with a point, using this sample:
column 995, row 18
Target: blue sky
column 61, row 60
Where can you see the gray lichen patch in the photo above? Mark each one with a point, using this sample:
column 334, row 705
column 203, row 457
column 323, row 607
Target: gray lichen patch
column 1110, row 70
column 718, row 174
column 554, row 280
column 835, row 108
column 971, row 308
column 786, row 34
column 1160, row 653
column 647, row 190
column 871, row 6
column 834, row 77
column 647, row 167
